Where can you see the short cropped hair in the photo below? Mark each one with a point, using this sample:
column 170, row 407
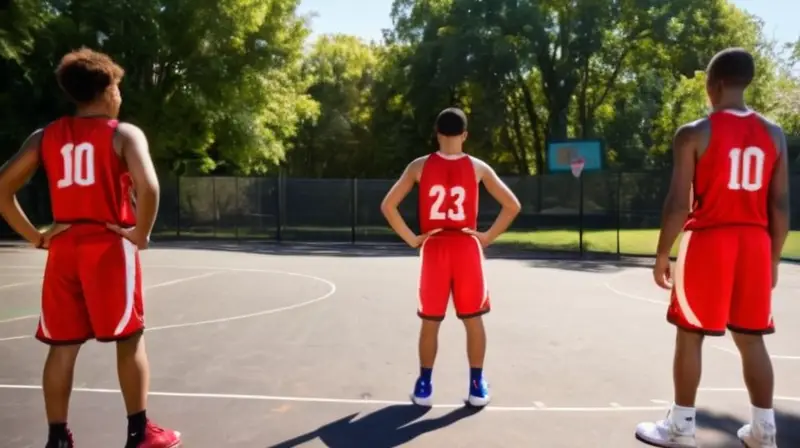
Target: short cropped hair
column 734, row 67
column 451, row 122
column 85, row 74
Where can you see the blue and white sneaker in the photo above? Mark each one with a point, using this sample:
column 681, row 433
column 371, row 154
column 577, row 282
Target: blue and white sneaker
column 479, row 393
column 423, row 393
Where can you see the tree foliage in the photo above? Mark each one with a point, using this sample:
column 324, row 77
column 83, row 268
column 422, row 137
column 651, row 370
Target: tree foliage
column 232, row 86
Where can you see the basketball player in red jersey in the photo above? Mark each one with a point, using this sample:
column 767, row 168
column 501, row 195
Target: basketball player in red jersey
column 451, row 247
column 735, row 163
column 92, row 281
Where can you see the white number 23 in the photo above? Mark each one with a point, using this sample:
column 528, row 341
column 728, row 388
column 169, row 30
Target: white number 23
column 457, row 212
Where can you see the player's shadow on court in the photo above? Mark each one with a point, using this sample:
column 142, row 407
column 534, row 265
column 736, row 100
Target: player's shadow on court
column 385, row 428
column 788, row 427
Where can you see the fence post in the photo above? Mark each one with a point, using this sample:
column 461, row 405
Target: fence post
column 238, row 215
column 619, row 210
column 178, row 215
column 279, row 205
column 354, row 205
column 580, row 215
column 214, row 198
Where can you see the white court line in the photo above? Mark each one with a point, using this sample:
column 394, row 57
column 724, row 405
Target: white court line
column 146, row 288
column 354, row 401
column 14, row 285
column 616, row 291
column 614, row 407
column 736, row 353
column 327, row 295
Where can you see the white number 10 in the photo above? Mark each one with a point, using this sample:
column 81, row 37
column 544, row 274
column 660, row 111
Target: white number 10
column 747, row 169
column 78, row 165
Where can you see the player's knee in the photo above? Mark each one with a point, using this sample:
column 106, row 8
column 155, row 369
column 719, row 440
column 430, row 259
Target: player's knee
column 63, row 356
column 746, row 341
column 430, row 326
column 131, row 345
column 473, row 323
column 686, row 336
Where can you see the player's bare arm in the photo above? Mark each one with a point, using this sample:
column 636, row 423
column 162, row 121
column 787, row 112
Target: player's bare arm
column 13, row 176
column 510, row 205
column 135, row 150
column 779, row 201
column 677, row 204
column 398, row 192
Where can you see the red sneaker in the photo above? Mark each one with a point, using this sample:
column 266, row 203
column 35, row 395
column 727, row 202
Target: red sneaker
column 158, row 437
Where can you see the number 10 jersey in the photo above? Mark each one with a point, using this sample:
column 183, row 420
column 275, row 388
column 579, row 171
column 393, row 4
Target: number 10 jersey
column 88, row 180
column 732, row 178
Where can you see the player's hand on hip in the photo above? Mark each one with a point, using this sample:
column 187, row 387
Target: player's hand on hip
column 419, row 239
column 136, row 237
column 49, row 234
column 662, row 272
column 482, row 237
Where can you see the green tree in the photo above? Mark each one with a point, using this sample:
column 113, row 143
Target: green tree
column 337, row 142
column 217, row 85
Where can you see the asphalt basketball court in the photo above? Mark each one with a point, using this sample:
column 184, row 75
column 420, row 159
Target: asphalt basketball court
column 281, row 346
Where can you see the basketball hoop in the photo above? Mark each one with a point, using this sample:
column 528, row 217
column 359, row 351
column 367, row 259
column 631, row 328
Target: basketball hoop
column 577, row 166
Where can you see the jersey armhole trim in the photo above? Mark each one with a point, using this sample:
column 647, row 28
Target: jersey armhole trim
column 705, row 127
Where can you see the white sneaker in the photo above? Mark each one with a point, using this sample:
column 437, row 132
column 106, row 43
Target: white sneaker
column 758, row 436
column 665, row 434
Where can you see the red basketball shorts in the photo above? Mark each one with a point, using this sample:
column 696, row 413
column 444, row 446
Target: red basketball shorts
column 723, row 278
column 452, row 264
column 92, row 288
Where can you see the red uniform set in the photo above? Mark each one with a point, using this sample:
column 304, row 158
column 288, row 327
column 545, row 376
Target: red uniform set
column 723, row 275
column 92, row 281
column 452, row 261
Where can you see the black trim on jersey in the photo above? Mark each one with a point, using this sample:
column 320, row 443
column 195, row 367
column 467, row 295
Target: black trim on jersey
column 714, row 333
column 121, row 338
column 430, row 318
column 765, row 331
column 473, row 315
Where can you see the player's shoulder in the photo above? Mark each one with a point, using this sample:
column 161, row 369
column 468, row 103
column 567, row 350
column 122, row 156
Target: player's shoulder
column 418, row 163
column 775, row 132
column 128, row 135
column 480, row 165
column 774, row 129
column 34, row 140
column 694, row 134
column 129, row 129
column 694, row 128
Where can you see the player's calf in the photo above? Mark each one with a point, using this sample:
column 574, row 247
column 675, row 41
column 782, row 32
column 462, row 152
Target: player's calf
column 479, row 394
column 59, row 369
column 760, row 381
column 428, row 347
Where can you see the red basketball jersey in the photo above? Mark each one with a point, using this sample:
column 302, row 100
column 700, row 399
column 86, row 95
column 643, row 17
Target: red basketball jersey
column 731, row 180
column 448, row 193
column 88, row 180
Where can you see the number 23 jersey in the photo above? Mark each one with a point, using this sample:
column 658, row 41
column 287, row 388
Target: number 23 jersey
column 732, row 178
column 448, row 193
column 88, row 180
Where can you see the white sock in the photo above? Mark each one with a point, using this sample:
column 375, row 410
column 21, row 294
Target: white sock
column 763, row 417
column 683, row 417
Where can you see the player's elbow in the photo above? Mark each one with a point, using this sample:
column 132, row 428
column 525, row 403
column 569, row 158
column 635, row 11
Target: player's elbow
column 513, row 206
column 387, row 206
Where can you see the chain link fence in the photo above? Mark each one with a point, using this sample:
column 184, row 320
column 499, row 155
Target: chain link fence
column 603, row 212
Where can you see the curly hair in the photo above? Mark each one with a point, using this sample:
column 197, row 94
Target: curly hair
column 84, row 74
column 734, row 67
